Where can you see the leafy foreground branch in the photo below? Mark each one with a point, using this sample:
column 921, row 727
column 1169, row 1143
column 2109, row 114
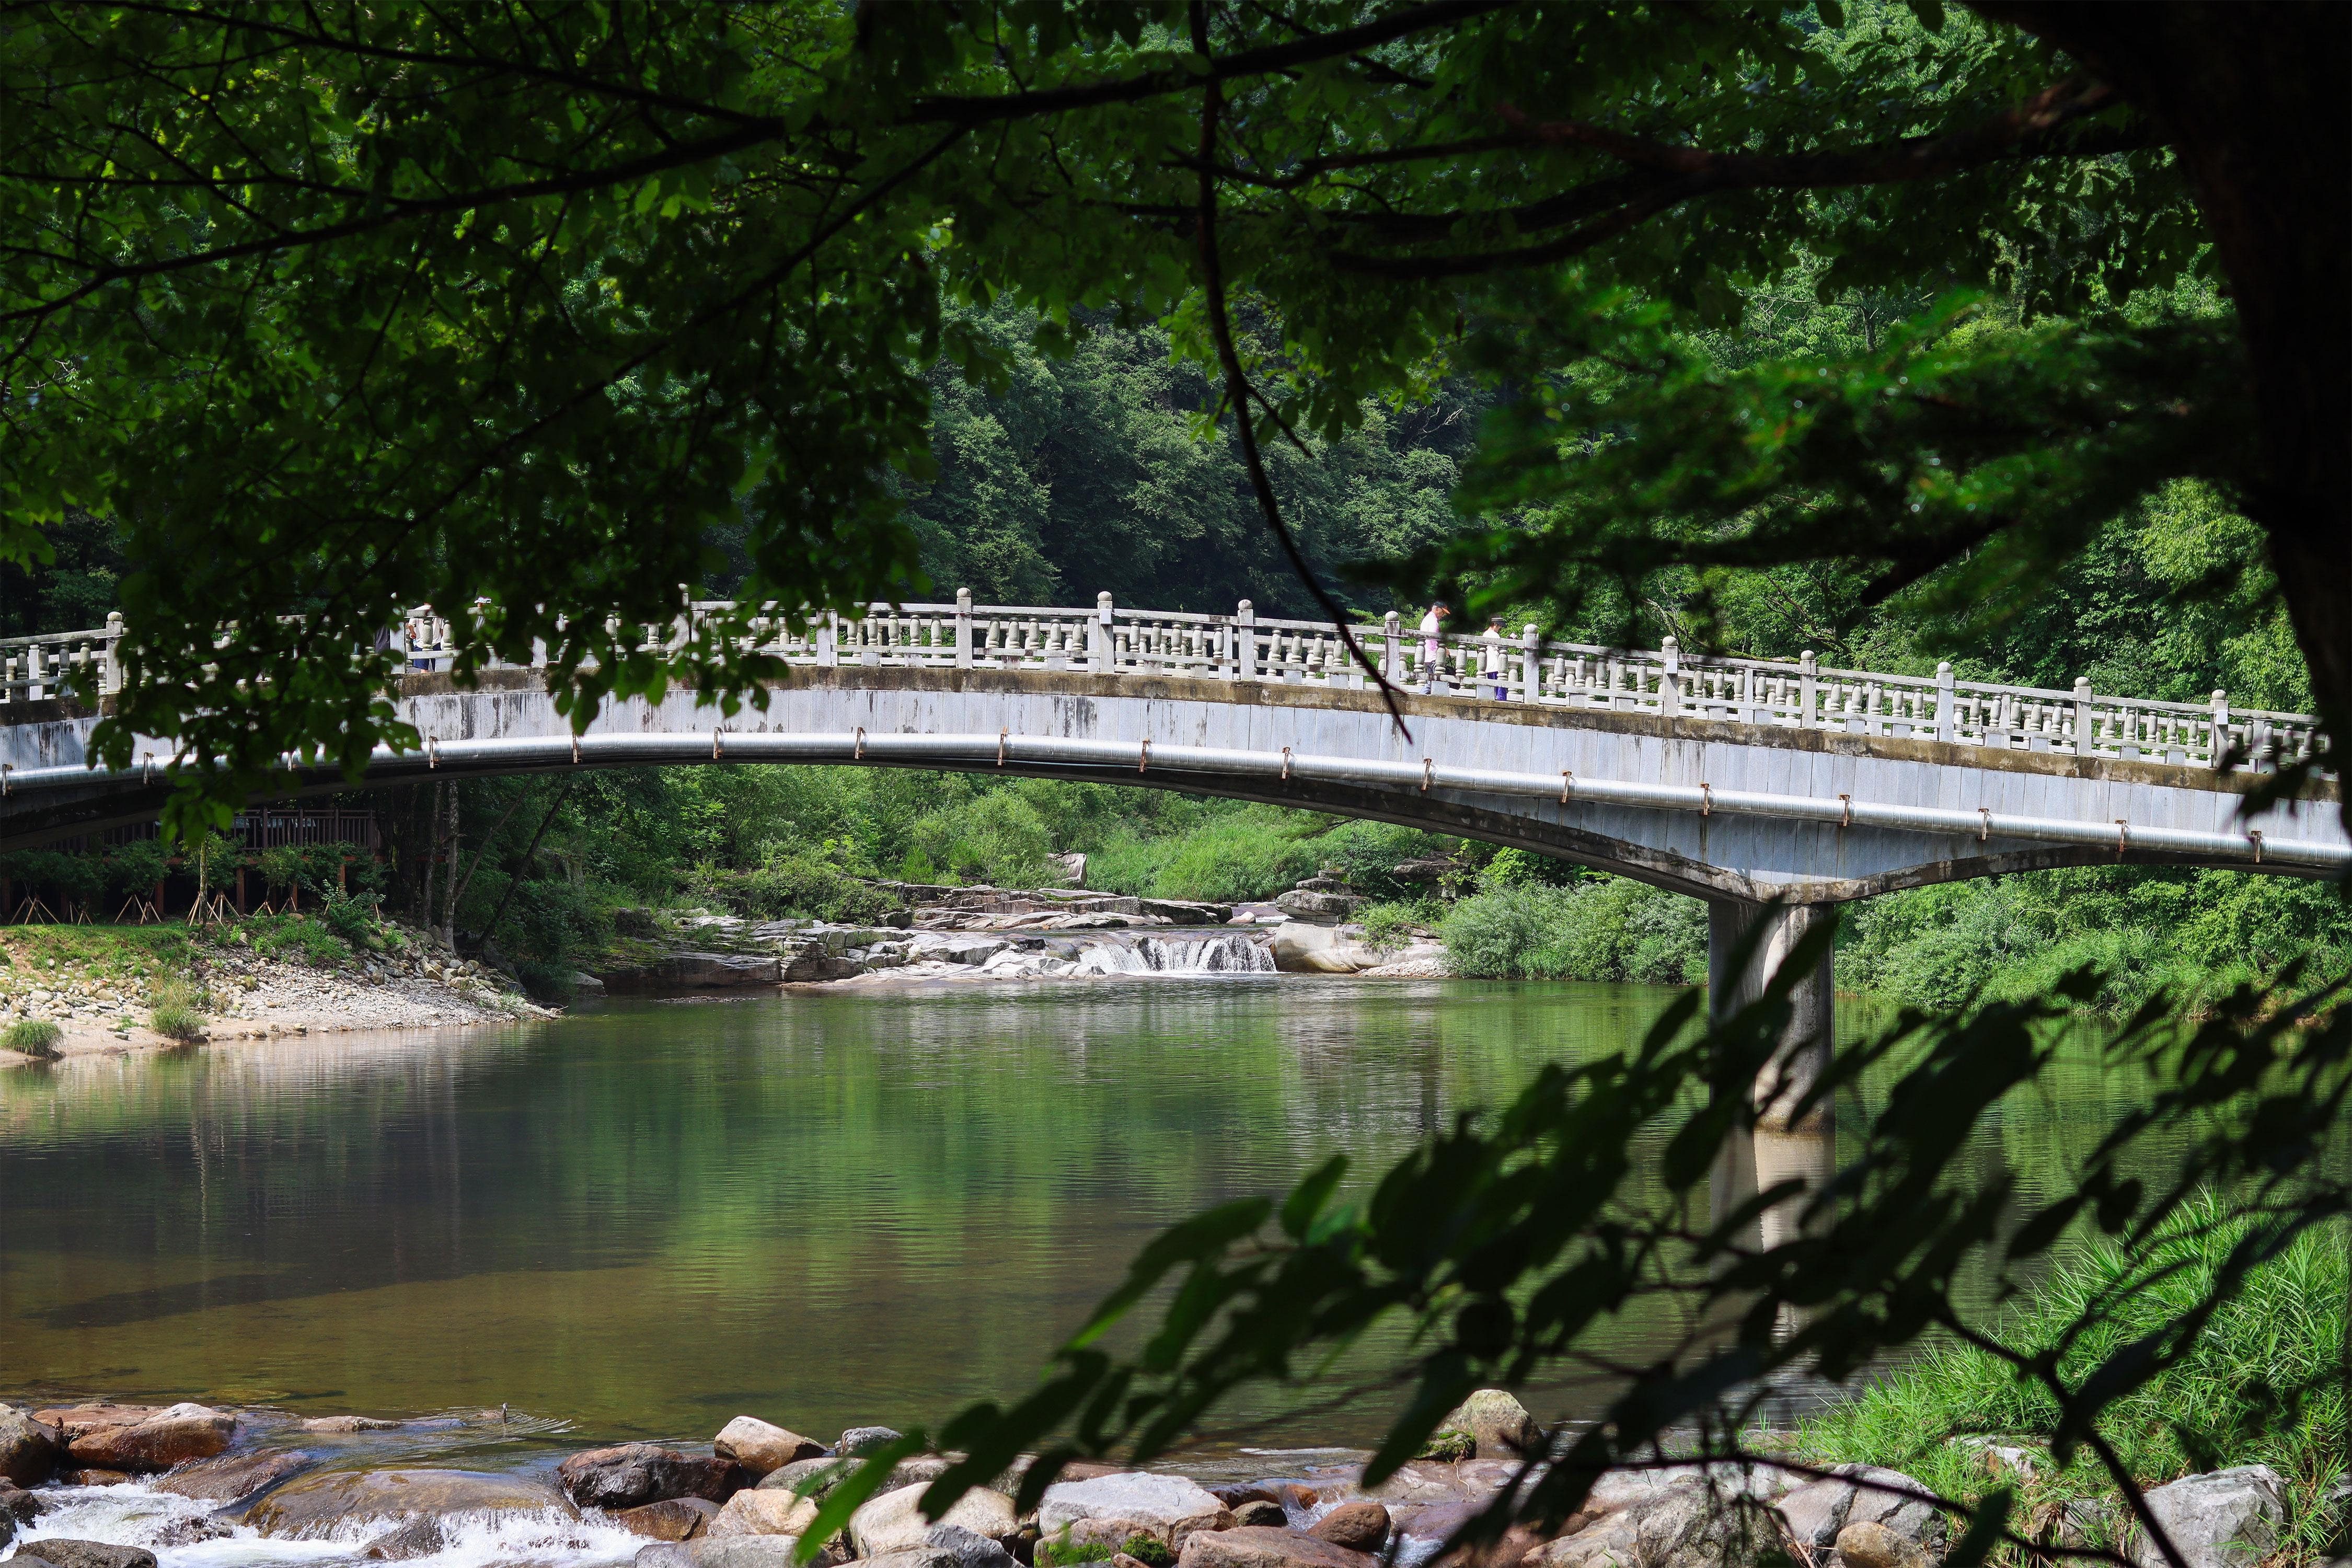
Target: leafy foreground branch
column 1501, row 1252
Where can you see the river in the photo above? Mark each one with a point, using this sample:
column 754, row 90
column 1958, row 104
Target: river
column 826, row 1209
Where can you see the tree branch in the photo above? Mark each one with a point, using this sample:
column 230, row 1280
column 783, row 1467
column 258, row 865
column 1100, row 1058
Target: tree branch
column 1237, row 386
column 987, row 109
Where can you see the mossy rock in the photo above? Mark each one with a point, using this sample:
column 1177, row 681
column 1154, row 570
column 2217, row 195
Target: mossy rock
column 1149, row 1550
column 1448, row 1446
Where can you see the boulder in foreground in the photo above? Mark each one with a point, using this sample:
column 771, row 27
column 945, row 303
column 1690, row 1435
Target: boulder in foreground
column 1254, row 1546
column 84, row 1555
column 2224, row 1518
column 314, row 1505
column 1167, row 1508
column 1359, row 1526
column 894, row 1522
column 30, row 1449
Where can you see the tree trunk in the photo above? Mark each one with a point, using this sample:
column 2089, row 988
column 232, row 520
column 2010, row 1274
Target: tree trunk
column 449, row 877
column 424, row 905
column 2256, row 101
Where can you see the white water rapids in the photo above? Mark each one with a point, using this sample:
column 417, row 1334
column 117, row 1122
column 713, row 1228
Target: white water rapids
column 1222, row 954
column 183, row 1533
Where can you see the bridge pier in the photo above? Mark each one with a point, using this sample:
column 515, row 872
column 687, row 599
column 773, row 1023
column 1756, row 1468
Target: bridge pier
column 1783, row 1145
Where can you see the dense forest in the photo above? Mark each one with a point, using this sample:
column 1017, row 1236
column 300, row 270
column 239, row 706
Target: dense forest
column 1097, row 466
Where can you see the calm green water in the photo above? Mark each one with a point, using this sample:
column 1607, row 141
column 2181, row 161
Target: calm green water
column 826, row 1209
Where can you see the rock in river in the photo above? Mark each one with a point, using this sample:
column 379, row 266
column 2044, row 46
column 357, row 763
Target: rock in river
column 1167, row 1507
column 672, row 1519
column 29, row 1449
column 1359, row 1526
column 761, row 1447
column 1257, row 1547
column 630, row 1474
column 947, row 1546
column 727, row 1552
column 232, row 1477
column 763, row 1514
column 314, row 1505
column 895, row 1522
column 84, row 1555
column 865, row 1439
column 164, row 1438
column 809, row 1478
column 1501, row 1424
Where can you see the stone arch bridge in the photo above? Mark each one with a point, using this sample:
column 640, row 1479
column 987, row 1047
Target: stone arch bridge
column 1774, row 790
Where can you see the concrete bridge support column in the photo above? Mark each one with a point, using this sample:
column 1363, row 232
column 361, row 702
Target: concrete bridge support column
column 1783, row 1145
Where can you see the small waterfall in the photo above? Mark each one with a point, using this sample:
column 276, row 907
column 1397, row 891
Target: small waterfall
column 1221, row 955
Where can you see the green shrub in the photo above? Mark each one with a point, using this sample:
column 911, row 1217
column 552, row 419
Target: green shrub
column 1598, row 929
column 297, row 938
column 176, row 1006
column 998, row 838
column 2263, row 1384
column 32, row 1037
column 1060, row 1553
column 352, row 917
column 795, row 882
column 1389, row 927
column 1253, row 853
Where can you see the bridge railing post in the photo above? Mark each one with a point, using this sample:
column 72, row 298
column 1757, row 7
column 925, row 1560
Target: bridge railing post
column 828, row 641
column 110, row 679
column 1670, row 682
column 1391, row 649
column 1808, row 689
column 2083, row 744
column 2217, row 741
column 1246, row 641
column 1530, row 664
column 1944, row 717
column 1098, row 634
column 963, row 629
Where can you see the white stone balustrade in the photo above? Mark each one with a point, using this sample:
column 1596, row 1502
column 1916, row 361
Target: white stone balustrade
column 1243, row 646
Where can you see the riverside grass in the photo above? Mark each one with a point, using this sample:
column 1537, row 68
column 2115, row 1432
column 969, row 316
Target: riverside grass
column 2264, row 1384
column 32, row 1037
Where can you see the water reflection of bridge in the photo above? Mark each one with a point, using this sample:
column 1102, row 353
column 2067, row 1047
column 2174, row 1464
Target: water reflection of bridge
column 1774, row 790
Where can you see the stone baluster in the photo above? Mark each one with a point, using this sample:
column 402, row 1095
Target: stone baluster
column 2085, row 743
column 1392, row 648
column 111, row 672
column 1945, row 718
column 1670, row 680
column 1098, row 635
column 1808, row 689
column 963, row 628
column 1245, row 636
column 2218, row 736
column 828, row 639
column 1530, row 664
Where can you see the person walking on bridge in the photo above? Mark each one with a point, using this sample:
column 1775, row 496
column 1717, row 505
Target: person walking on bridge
column 1490, row 662
column 1433, row 626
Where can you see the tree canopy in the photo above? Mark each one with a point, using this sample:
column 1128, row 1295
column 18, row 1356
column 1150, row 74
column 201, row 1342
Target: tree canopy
column 339, row 309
